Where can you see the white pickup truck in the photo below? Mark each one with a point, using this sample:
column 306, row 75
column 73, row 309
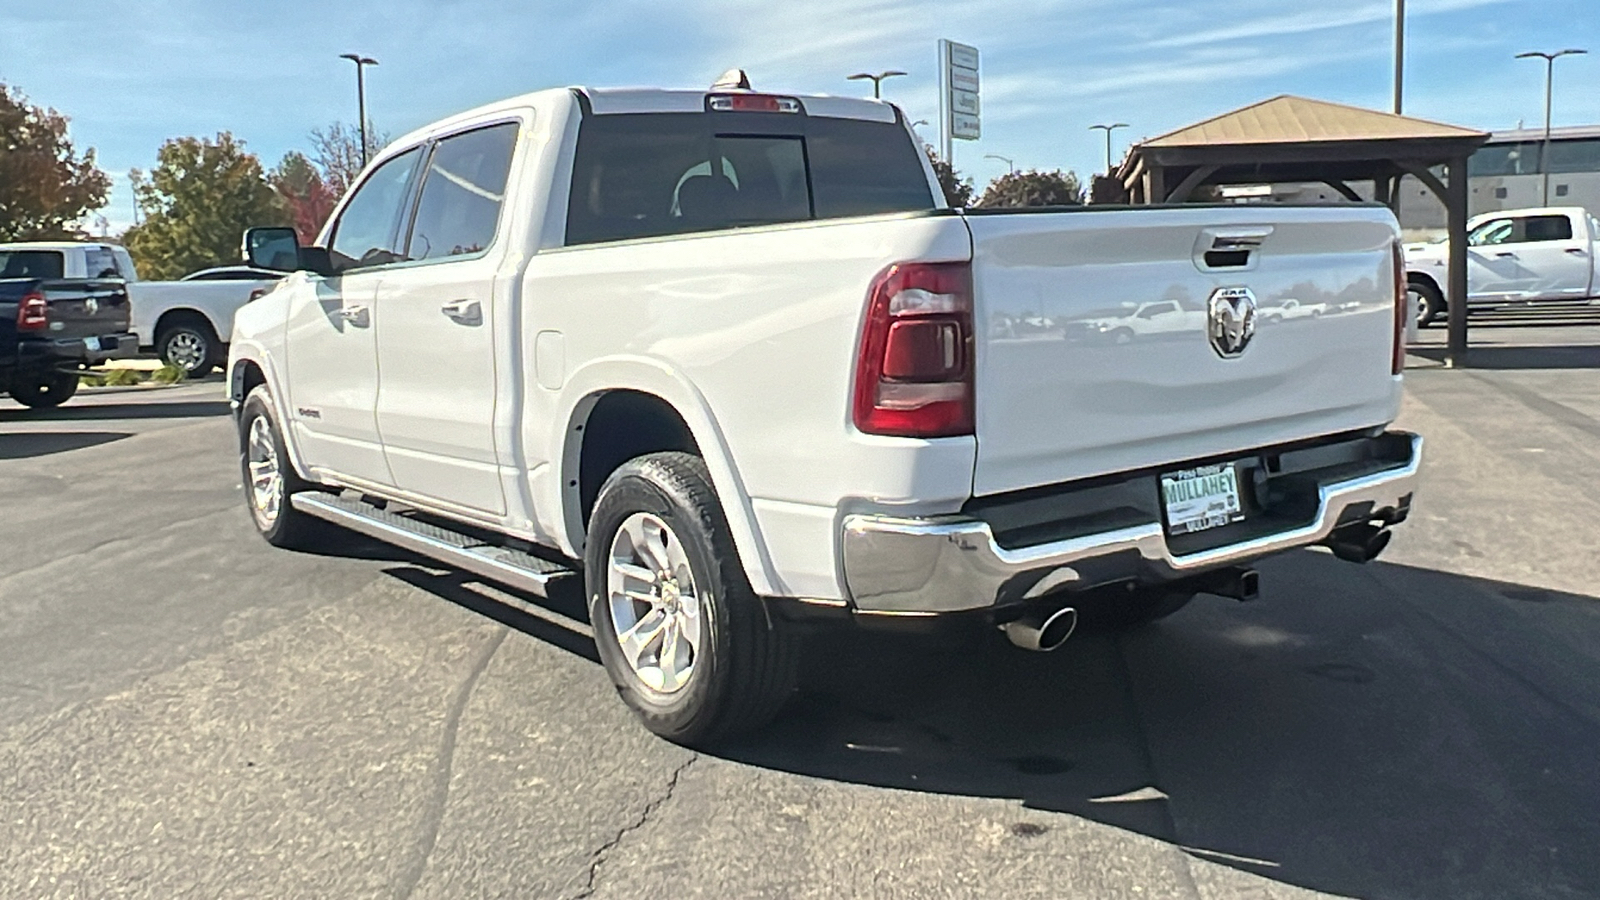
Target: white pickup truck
column 1519, row 257
column 724, row 360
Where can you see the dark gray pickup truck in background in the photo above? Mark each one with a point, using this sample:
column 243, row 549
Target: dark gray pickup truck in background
column 52, row 328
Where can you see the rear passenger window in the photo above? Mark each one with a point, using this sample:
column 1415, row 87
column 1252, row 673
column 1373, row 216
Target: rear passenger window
column 462, row 193
column 653, row 174
column 100, row 263
column 1548, row 228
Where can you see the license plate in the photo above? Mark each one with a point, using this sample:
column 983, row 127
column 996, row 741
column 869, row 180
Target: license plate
column 1201, row 498
column 92, row 344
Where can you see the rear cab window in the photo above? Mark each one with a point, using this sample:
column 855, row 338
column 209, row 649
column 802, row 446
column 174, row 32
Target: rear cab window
column 639, row 175
column 1546, row 228
column 32, row 264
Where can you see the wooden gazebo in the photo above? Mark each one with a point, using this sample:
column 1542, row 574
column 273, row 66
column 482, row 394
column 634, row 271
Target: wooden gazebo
column 1297, row 140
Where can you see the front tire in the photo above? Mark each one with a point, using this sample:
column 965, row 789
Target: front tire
column 269, row 477
column 698, row 658
column 1430, row 303
column 45, row 391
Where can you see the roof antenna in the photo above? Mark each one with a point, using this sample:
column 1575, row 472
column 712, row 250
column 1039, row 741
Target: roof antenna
column 732, row 80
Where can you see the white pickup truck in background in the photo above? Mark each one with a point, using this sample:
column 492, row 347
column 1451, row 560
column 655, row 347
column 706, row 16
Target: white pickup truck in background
column 725, row 361
column 186, row 322
column 1518, row 257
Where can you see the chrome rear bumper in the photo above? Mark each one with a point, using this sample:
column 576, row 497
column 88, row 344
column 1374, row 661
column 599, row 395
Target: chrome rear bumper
column 900, row 565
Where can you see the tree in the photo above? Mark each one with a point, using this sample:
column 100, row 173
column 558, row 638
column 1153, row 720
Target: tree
column 305, row 195
column 337, row 152
column 46, row 187
column 957, row 190
column 1034, row 188
column 197, row 202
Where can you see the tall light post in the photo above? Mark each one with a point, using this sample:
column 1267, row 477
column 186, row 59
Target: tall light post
column 1108, row 129
column 361, row 95
column 877, row 80
column 1005, row 159
column 1549, row 79
column 1399, row 53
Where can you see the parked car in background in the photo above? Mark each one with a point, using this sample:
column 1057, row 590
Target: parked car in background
column 56, row 321
column 1528, row 257
column 731, row 351
column 186, row 322
column 233, row 273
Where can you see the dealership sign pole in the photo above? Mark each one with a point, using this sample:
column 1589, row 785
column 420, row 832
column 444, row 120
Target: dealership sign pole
column 958, row 96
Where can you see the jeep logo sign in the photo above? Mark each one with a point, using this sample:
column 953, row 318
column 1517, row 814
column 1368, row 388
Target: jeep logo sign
column 1231, row 320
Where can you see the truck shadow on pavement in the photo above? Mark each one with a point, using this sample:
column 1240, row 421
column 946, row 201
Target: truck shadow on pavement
column 174, row 409
column 28, row 444
column 1378, row 731
column 1567, row 356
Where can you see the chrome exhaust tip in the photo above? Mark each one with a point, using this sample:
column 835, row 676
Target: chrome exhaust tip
column 1359, row 543
column 1044, row 630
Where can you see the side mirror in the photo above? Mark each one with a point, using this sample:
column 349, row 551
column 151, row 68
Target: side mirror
column 277, row 249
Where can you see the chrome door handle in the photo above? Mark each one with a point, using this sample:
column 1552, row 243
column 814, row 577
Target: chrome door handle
column 467, row 312
column 355, row 314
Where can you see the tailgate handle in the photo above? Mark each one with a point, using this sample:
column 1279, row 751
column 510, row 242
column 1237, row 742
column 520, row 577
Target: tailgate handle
column 1230, row 248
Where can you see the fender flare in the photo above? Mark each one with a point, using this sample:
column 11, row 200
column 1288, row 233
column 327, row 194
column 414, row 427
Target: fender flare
column 583, row 390
column 248, row 351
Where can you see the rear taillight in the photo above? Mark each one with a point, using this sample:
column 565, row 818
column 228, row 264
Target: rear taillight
column 1402, row 311
column 33, row 313
column 914, row 368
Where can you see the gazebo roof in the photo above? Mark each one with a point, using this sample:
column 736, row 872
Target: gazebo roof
column 1287, row 119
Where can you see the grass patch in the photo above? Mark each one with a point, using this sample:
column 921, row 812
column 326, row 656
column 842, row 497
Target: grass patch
column 169, row 374
column 123, row 378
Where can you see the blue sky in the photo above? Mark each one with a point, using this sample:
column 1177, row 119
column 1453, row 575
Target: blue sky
column 132, row 74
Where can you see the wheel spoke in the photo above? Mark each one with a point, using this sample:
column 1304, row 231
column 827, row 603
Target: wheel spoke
column 672, row 670
column 655, row 546
column 637, row 640
column 637, row 573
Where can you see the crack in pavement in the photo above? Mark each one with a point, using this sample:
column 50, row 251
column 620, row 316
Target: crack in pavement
column 598, row 857
column 443, row 767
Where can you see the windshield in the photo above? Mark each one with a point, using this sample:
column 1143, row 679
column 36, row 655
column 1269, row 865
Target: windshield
column 652, row 174
column 32, row 263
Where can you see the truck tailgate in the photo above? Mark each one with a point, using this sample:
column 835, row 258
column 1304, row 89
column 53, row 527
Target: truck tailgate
column 82, row 309
column 1093, row 349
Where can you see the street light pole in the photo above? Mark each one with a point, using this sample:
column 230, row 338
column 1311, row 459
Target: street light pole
column 1108, row 129
column 1005, row 159
column 1399, row 53
column 1549, row 81
column 877, row 80
column 361, row 95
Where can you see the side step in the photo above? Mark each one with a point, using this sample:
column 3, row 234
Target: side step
column 505, row 565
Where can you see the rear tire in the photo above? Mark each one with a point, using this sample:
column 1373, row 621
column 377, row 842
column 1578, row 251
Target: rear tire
column 1430, row 303
column 702, row 660
column 189, row 344
column 270, row 479
column 45, row 391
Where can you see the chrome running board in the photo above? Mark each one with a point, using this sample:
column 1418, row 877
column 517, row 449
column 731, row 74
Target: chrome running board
column 505, row 565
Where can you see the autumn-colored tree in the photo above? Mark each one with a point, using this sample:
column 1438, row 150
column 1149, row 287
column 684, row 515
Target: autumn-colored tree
column 336, row 150
column 957, row 190
column 1034, row 188
column 46, row 187
column 197, row 203
column 304, row 194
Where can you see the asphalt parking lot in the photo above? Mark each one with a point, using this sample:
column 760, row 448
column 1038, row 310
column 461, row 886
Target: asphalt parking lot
column 185, row 711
